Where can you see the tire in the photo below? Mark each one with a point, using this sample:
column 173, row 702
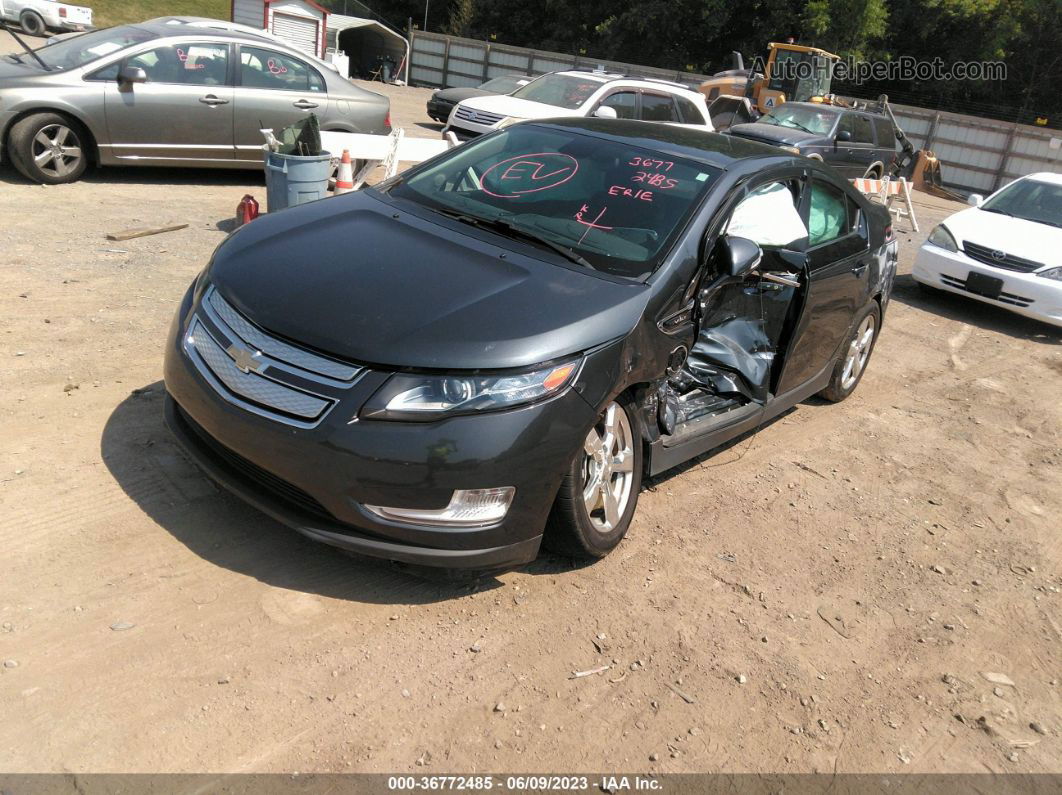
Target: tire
column 853, row 359
column 874, row 172
column 31, row 23
column 573, row 528
column 33, row 137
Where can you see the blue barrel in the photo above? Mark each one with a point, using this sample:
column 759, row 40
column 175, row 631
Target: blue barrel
column 293, row 179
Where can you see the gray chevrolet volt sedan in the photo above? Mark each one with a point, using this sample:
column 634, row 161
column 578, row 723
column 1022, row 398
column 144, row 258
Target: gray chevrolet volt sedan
column 160, row 95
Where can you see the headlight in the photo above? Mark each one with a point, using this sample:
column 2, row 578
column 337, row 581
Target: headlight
column 429, row 397
column 1054, row 273
column 507, row 121
column 940, row 236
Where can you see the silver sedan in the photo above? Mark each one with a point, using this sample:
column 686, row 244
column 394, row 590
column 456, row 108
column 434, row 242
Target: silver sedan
column 155, row 95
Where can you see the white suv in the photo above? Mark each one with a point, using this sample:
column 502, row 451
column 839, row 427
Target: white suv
column 582, row 93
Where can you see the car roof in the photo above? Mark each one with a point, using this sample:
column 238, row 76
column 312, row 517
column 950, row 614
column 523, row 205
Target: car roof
column 611, row 77
column 163, row 29
column 1046, row 176
column 703, row 146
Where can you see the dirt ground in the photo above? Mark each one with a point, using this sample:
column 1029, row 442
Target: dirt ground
column 869, row 586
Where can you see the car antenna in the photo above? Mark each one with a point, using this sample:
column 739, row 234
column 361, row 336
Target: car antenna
column 17, row 38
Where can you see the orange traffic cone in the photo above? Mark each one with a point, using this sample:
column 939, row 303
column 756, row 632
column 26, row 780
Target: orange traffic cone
column 345, row 175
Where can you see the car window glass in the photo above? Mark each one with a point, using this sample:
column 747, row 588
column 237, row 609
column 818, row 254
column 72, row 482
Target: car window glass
column 863, row 133
column 832, row 214
column 617, row 204
column 769, row 217
column 625, row 103
column 886, row 136
column 106, row 73
column 689, row 111
column 798, row 117
column 656, row 107
column 268, row 69
column 184, row 64
column 563, row 91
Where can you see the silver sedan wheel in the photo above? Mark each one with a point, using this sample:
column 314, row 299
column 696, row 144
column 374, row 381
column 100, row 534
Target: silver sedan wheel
column 56, row 150
column 858, row 352
column 608, row 469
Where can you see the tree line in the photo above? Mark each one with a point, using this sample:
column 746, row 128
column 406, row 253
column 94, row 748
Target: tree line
column 699, row 35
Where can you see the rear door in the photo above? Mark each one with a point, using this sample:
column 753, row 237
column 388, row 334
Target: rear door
column 273, row 89
column 855, row 156
column 182, row 112
column 838, row 263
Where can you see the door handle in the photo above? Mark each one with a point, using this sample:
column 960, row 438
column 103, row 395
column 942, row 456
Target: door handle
column 859, row 269
column 304, row 104
column 211, row 100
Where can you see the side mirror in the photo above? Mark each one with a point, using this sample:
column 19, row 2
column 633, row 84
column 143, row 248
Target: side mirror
column 132, row 74
column 843, row 137
column 605, row 112
column 975, row 200
column 743, row 256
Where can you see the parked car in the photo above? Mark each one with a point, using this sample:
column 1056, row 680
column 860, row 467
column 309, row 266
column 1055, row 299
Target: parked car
column 858, row 143
column 528, row 324
column 442, row 100
column 581, row 93
column 1005, row 250
column 36, row 17
column 158, row 94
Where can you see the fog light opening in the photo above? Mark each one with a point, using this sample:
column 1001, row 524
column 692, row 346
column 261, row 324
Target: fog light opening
column 467, row 508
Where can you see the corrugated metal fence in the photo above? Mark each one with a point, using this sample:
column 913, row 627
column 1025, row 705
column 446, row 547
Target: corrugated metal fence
column 977, row 154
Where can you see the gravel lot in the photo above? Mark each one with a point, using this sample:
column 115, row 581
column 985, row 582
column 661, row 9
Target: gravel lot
column 838, row 593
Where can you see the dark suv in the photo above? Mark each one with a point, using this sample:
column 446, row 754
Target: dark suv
column 857, row 143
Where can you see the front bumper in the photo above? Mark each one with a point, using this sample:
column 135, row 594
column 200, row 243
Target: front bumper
column 440, row 111
column 317, row 479
column 1023, row 293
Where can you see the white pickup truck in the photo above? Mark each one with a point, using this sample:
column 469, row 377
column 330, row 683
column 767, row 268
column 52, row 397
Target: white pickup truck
column 36, row 17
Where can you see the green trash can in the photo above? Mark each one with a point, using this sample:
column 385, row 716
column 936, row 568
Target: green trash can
column 295, row 179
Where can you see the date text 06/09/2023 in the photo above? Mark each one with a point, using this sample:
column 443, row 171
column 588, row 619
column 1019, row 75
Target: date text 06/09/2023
column 523, row 783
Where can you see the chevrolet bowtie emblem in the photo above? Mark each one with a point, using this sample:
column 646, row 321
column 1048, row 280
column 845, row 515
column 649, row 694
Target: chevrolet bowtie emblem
column 245, row 359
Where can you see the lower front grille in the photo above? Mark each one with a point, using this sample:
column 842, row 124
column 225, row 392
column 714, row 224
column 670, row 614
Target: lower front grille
column 1003, row 298
column 276, row 486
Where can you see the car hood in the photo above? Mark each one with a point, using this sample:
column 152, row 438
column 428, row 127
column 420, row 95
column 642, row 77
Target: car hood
column 355, row 278
column 518, row 108
column 460, row 94
column 772, row 133
column 1016, row 236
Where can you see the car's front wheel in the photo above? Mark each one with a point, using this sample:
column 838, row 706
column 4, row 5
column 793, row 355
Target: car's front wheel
column 852, row 362
column 49, row 148
column 599, row 493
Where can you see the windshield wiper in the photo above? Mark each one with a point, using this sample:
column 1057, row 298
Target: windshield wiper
column 798, row 124
column 996, row 210
column 24, row 46
column 509, row 229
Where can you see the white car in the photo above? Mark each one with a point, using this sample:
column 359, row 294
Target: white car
column 37, row 16
column 1005, row 250
column 581, row 93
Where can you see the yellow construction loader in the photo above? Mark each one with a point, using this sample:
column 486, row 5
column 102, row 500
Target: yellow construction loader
column 792, row 72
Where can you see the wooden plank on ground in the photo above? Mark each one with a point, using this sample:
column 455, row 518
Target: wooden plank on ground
column 143, row 231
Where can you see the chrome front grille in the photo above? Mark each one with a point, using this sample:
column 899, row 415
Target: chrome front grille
column 999, row 259
column 478, row 116
column 266, row 375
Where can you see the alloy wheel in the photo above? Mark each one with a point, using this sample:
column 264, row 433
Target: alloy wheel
column 608, row 469
column 858, row 352
column 56, row 150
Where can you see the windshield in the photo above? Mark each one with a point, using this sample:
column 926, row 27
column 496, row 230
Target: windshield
column 809, row 120
column 80, row 50
column 502, row 85
column 617, row 205
column 1031, row 200
column 564, row 91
